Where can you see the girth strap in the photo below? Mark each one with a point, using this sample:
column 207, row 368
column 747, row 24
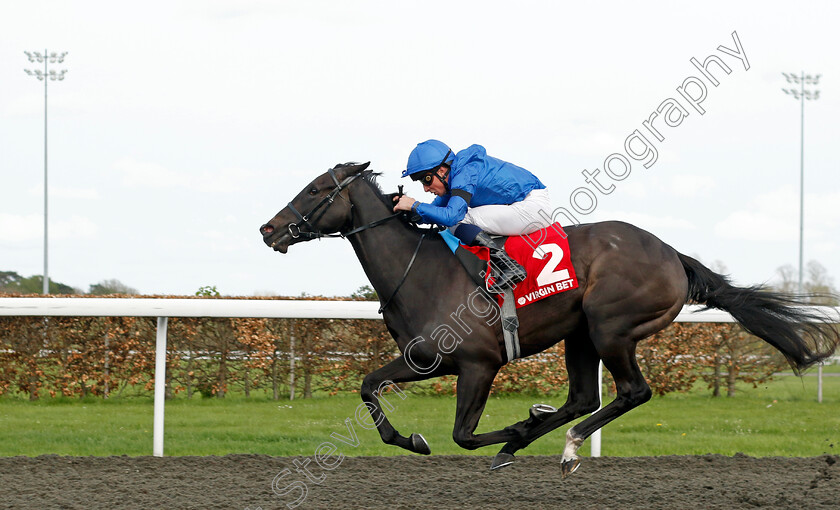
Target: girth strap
column 510, row 326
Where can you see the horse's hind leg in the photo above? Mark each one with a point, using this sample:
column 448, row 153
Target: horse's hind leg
column 582, row 364
column 618, row 354
column 633, row 292
column 373, row 385
column 474, row 383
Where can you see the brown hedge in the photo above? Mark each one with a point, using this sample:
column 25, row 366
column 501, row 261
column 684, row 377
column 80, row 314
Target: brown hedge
column 107, row 356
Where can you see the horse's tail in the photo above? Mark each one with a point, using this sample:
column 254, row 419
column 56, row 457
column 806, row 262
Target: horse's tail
column 804, row 335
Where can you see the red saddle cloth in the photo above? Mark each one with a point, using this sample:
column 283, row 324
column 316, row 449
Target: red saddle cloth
column 546, row 257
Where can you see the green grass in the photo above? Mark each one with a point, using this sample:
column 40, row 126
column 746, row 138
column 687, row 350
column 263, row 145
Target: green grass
column 779, row 418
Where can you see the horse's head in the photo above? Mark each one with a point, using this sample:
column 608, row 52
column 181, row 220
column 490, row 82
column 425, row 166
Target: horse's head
column 322, row 207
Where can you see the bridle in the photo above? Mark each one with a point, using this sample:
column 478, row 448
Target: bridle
column 313, row 233
column 303, row 219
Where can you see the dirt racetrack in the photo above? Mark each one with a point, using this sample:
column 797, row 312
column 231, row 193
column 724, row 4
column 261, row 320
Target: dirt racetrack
column 412, row 482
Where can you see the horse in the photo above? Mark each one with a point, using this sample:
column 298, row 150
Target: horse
column 630, row 285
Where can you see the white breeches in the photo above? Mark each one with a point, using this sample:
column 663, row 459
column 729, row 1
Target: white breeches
column 515, row 219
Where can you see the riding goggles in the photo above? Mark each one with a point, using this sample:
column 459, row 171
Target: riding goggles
column 426, row 177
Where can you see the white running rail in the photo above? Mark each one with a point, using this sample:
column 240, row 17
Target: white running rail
column 251, row 308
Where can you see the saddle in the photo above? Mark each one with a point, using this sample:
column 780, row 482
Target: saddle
column 545, row 256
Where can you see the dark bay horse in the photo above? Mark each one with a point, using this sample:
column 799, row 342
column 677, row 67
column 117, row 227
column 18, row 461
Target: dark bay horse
column 631, row 285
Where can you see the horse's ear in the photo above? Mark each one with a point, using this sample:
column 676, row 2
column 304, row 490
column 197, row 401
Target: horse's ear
column 352, row 169
column 355, row 169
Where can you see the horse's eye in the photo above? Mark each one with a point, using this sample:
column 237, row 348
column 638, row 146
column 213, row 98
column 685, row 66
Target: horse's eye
column 313, row 191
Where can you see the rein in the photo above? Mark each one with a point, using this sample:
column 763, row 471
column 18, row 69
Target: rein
column 303, row 219
column 405, row 274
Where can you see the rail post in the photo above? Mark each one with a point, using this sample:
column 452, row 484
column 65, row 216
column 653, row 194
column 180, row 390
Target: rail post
column 595, row 439
column 160, row 385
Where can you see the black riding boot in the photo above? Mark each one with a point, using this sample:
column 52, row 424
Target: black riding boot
column 506, row 272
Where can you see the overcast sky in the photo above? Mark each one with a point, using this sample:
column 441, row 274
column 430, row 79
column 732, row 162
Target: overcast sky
column 181, row 127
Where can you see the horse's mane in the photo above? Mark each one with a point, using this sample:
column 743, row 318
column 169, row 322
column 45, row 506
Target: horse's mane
column 369, row 176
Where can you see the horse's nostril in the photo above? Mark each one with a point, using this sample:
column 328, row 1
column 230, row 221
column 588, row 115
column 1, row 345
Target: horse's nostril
column 266, row 229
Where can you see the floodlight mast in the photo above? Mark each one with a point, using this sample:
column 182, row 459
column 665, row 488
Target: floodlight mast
column 46, row 76
column 802, row 94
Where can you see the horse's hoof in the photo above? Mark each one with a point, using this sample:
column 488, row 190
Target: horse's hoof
column 568, row 467
column 501, row 460
column 541, row 411
column 419, row 444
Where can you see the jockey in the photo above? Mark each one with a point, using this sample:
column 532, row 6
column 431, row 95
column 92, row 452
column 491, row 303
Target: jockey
column 477, row 195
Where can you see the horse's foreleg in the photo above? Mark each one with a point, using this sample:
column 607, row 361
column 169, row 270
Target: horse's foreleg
column 373, row 386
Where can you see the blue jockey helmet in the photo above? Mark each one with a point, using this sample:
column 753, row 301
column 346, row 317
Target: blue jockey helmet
column 428, row 155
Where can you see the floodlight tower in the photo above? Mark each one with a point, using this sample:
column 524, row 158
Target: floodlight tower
column 811, row 95
column 46, row 76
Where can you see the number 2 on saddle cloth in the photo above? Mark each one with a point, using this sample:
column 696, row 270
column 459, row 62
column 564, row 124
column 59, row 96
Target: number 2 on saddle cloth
column 544, row 254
